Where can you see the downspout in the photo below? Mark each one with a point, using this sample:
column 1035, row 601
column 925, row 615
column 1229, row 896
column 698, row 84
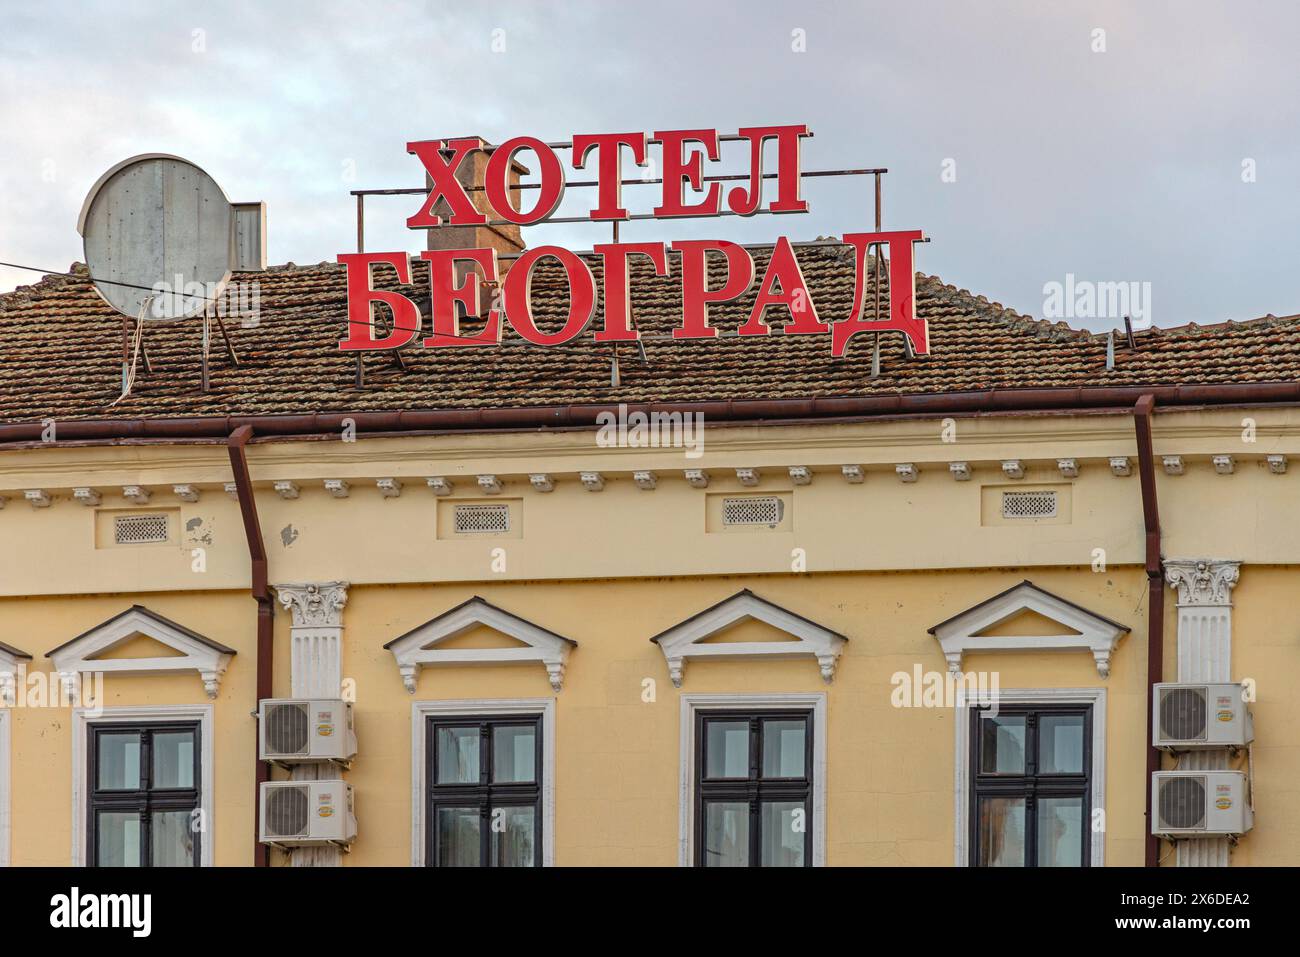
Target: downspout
column 1155, row 599
column 265, row 607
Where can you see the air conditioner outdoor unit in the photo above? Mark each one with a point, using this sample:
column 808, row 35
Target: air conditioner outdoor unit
column 302, row 813
column 1193, row 716
column 1200, row 803
column 302, row 730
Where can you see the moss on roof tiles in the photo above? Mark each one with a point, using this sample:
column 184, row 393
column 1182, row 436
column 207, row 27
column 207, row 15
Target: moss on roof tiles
column 62, row 355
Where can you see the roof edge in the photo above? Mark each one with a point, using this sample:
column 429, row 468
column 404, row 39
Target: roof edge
column 373, row 424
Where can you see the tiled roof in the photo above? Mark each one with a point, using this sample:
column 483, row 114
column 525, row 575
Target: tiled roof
column 63, row 347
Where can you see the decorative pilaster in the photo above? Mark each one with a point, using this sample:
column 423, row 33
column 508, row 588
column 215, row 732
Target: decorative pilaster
column 316, row 671
column 1204, row 654
column 1204, row 617
column 316, row 636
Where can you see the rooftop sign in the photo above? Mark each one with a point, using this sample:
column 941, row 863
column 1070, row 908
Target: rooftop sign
column 456, row 292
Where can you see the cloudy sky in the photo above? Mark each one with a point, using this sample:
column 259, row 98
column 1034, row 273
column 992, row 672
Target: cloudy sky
column 1152, row 142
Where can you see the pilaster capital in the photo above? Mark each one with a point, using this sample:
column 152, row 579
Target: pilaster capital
column 314, row 604
column 1203, row 581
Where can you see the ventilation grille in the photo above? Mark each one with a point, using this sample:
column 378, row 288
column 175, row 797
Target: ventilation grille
column 752, row 510
column 1182, row 803
column 482, row 519
column 286, row 728
column 139, row 529
column 1182, row 714
column 1041, row 504
column 286, row 811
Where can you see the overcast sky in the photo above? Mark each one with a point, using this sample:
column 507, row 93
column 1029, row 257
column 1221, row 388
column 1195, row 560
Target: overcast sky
column 1164, row 150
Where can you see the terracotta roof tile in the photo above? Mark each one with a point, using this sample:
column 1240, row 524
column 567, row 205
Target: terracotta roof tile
column 62, row 355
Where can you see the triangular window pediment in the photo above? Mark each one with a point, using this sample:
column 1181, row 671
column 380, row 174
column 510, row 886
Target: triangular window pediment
column 1026, row 618
column 747, row 626
column 140, row 641
column 478, row 632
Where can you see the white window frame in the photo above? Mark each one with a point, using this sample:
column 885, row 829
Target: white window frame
column 5, row 724
column 961, row 780
column 83, row 718
column 421, row 711
column 691, row 703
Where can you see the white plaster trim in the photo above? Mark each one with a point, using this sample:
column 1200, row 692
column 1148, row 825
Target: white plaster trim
column 77, row 657
column 960, row 636
column 684, row 641
column 422, row 710
column 11, row 666
column 961, row 777
column 412, row 651
column 748, row 702
column 5, row 777
column 82, row 718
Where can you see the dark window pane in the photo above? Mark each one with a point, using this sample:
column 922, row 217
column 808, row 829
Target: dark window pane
column 172, row 839
column 1060, row 744
column 458, row 755
column 1060, row 832
column 119, row 838
column 727, row 747
column 726, row 834
column 1002, row 832
column 119, row 762
column 783, row 748
column 1002, row 744
column 514, row 754
column 458, row 837
column 173, row 759
column 784, row 824
column 513, row 834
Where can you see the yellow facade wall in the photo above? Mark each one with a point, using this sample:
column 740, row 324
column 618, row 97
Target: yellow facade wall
column 41, row 737
column 885, row 561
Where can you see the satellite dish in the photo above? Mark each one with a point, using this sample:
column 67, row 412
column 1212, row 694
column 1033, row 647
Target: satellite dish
column 158, row 222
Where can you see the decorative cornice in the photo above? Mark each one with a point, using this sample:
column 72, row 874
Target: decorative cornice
column 314, row 604
column 1203, row 581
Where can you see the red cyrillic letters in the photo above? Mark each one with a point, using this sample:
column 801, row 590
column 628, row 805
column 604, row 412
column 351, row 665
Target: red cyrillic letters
column 443, row 183
column 609, row 170
column 454, row 274
column 362, row 298
column 618, row 300
column 902, row 291
column 518, row 301
column 447, row 293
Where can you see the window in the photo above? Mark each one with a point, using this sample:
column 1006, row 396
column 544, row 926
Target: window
column 485, row 794
column 1031, row 786
column 753, row 788
column 144, row 790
